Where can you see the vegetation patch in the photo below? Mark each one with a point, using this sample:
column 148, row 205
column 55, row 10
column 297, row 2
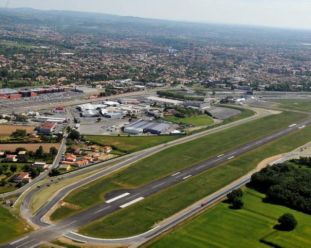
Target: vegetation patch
column 128, row 144
column 11, row 226
column 252, row 226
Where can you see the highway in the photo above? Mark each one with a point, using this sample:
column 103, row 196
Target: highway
column 131, row 197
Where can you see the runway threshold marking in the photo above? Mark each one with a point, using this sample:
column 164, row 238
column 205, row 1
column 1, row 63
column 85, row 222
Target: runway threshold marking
column 132, row 202
column 17, row 241
column 117, row 197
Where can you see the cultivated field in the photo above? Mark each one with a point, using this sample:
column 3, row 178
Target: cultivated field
column 144, row 215
column 130, row 144
column 176, row 158
column 11, row 226
column 224, row 227
column 6, row 130
column 29, row 147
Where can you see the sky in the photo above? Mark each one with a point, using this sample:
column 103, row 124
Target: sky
column 273, row 13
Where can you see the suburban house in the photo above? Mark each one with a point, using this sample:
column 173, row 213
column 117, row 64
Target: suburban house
column 11, row 158
column 22, row 177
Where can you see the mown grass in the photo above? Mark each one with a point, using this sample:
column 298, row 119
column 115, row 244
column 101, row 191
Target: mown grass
column 11, row 226
column 224, row 227
column 295, row 104
column 197, row 120
column 128, row 144
column 176, row 158
column 142, row 216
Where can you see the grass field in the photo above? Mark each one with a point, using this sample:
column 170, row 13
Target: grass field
column 295, row 104
column 11, row 226
column 29, row 147
column 197, row 120
column 144, row 215
column 174, row 159
column 129, row 144
column 224, row 227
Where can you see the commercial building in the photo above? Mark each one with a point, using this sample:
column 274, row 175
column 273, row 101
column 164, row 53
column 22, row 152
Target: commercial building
column 47, row 128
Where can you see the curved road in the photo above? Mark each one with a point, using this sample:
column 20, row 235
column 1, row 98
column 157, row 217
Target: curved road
column 66, row 226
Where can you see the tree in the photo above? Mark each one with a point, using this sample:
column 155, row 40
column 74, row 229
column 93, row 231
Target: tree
column 237, row 193
column 40, row 152
column 287, row 222
column 237, row 203
column 54, row 173
column 74, row 135
column 13, row 168
column 19, row 133
column 53, row 151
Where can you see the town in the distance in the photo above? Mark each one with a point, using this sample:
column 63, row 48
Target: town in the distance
column 129, row 132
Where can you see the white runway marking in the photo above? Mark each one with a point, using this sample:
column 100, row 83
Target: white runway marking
column 132, row 202
column 230, row 157
column 187, row 177
column 17, row 241
column 117, row 197
column 177, row 173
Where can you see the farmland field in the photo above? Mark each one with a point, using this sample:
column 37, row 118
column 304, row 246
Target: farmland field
column 145, row 214
column 29, row 147
column 224, row 227
column 130, row 144
column 6, row 130
column 11, row 226
column 176, row 158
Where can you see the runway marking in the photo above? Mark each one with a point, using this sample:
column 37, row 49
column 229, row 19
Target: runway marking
column 302, row 127
column 158, row 185
column 230, row 157
column 293, row 125
column 118, row 197
column 221, row 155
column 17, row 241
column 103, row 209
column 25, row 243
column 177, row 173
column 132, row 202
column 187, row 177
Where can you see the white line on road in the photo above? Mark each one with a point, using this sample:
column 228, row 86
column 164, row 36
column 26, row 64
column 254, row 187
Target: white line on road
column 177, row 173
column 230, row 157
column 293, row 125
column 17, row 241
column 103, row 209
column 132, row 202
column 24, row 243
column 158, row 185
column 221, row 155
column 117, row 197
column 187, row 177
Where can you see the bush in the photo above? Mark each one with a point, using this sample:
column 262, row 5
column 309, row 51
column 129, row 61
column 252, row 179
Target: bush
column 287, row 222
column 235, row 199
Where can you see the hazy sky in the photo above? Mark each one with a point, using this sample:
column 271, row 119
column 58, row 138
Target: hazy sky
column 280, row 13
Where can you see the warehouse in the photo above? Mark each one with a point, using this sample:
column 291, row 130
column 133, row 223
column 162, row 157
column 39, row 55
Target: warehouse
column 164, row 101
column 142, row 126
column 89, row 113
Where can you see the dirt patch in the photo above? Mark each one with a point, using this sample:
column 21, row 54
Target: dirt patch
column 9, row 129
column 28, row 147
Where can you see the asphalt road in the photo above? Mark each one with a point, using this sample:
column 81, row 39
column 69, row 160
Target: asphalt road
column 72, row 223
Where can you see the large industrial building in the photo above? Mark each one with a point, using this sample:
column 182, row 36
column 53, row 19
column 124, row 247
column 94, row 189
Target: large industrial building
column 142, row 126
